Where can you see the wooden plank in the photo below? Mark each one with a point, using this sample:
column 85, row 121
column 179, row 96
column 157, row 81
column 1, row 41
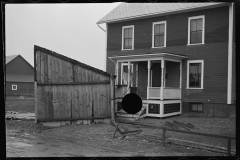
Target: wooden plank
column 95, row 100
column 36, row 97
column 53, row 70
column 69, row 105
column 82, row 100
column 60, row 72
column 73, row 88
column 50, row 105
column 39, row 114
column 57, row 69
column 71, row 119
column 70, row 72
column 38, row 66
column 49, row 68
column 45, row 58
column 42, row 67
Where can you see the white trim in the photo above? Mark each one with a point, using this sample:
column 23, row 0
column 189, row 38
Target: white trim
column 14, row 85
column 123, row 27
column 125, row 64
column 165, row 33
column 230, row 45
column 203, row 29
column 105, row 60
column 156, row 54
column 202, row 74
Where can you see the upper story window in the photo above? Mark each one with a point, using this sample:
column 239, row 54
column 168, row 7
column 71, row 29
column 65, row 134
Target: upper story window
column 196, row 28
column 159, row 34
column 195, row 74
column 127, row 37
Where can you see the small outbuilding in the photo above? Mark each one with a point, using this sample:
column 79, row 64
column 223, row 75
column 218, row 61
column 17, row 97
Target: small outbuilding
column 19, row 76
column 69, row 91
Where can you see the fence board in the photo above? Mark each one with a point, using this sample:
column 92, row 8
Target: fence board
column 49, row 68
column 38, row 66
column 45, row 58
column 42, row 67
column 60, row 72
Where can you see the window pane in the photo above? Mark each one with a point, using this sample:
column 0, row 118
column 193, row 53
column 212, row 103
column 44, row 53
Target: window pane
column 130, row 43
column 162, row 28
column 130, row 33
column 192, row 67
column 193, row 38
column 199, row 37
column 156, row 29
column 161, row 40
column 199, row 24
column 193, row 26
column 157, row 41
column 126, row 33
column 194, row 107
column 199, row 107
column 125, row 69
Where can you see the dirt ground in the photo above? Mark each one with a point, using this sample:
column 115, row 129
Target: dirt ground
column 24, row 138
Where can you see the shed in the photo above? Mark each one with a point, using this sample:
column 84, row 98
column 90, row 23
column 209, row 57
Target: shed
column 19, row 76
column 68, row 91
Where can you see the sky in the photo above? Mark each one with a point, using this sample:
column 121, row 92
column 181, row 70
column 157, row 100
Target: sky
column 67, row 29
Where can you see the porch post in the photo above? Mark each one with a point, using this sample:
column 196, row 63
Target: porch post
column 129, row 73
column 162, row 79
column 136, row 75
column 180, row 68
column 116, row 73
column 148, row 82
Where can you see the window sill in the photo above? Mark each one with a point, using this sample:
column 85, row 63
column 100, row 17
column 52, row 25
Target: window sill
column 195, row 44
column 194, row 88
column 127, row 49
column 158, row 47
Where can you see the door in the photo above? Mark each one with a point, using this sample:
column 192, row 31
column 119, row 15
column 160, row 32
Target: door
column 156, row 75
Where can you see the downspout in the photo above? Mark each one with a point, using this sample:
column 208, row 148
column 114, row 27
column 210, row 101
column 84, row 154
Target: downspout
column 230, row 45
column 105, row 60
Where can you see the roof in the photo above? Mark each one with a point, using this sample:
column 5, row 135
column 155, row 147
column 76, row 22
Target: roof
column 126, row 11
column 19, row 77
column 9, row 58
column 73, row 61
column 144, row 56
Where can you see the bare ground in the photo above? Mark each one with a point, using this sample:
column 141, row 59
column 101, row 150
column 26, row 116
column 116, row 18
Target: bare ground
column 24, row 138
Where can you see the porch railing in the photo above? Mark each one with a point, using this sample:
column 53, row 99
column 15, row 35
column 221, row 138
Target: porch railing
column 168, row 93
column 154, row 92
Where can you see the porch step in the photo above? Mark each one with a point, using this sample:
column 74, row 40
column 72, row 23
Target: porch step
column 125, row 116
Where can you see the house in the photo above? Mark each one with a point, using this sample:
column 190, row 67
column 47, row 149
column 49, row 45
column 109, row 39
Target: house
column 178, row 57
column 19, row 76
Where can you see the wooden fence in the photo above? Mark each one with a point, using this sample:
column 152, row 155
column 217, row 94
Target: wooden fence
column 69, row 90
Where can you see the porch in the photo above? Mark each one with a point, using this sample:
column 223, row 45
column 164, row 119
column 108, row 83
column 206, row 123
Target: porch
column 156, row 78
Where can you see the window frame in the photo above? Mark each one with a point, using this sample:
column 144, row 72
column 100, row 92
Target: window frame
column 191, row 110
column 202, row 73
column 165, row 33
column 203, row 29
column 124, row 27
column 125, row 64
column 14, row 85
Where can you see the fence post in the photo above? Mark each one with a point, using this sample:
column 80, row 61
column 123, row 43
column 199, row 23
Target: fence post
column 112, row 86
column 35, row 96
column 163, row 137
column 229, row 147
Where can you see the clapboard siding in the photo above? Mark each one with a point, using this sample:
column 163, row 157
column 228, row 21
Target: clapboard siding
column 69, row 90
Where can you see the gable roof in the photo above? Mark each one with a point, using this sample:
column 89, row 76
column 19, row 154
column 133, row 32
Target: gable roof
column 12, row 57
column 9, row 58
column 73, row 61
column 126, row 11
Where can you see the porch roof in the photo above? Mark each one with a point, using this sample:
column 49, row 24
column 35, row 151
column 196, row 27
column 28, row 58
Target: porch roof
column 148, row 56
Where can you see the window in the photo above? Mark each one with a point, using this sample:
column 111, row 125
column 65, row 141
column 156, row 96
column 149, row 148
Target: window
column 127, row 37
column 195, row 74
column 14, row 87
column 196, row 107
column 124, row 74
column 196, row 27
column 159, row 34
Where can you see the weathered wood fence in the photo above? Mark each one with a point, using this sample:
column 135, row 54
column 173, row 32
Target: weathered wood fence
column 69, row 90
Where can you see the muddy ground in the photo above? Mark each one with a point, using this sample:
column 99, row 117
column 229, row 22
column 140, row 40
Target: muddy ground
column 24, row 138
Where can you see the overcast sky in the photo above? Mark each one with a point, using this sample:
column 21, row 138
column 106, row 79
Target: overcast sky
column 68, row 29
